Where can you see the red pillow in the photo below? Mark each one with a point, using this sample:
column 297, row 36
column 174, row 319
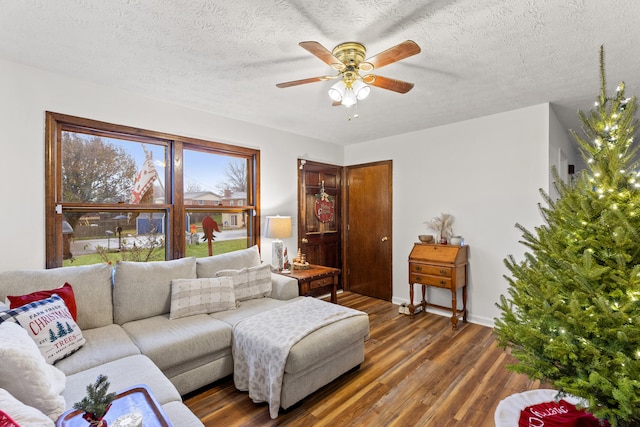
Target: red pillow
column 6, row 421
column 65, row 292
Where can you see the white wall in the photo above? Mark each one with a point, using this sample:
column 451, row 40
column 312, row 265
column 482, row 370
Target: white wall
column 486, row 172
column 563, row 151
column 27, row 93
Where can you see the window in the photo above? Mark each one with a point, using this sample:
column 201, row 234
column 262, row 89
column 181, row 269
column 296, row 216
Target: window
column 120, row 193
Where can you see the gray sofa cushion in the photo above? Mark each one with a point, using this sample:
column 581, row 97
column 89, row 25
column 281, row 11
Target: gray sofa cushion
column 249, row 308
column 173, row 342
column 143, row 289
column 122, row 374
column 102, row 345
column 283, row 287
column 91, row 286
column 180, row 415
column 236, row 260
column 324, row 343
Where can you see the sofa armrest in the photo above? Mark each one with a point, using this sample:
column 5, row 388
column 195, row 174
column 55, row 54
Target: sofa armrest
column 283, row 287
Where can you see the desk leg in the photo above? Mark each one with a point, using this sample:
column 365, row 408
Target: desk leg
column 411, row 306
column 454, row 308
column 464, row 303
column 423, row 303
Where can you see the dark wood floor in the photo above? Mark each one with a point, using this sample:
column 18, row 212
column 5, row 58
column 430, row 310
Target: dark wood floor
column 416, row 373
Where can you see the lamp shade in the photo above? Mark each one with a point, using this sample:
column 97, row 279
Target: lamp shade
column 361, row 90
column 336, row 92
column 349, row 97
column 278, row 227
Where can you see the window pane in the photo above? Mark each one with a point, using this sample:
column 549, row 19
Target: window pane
column 230, row 232
column 113, row 167
column 97, row 169
column 99, row 237
column 214, row 179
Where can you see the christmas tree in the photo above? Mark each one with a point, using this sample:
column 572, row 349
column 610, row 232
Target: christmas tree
column 572, row 315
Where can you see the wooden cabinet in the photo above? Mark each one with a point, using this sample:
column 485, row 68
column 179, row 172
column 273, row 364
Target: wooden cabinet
column 441, row 266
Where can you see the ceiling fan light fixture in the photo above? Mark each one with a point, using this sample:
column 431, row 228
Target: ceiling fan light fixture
column 349, row 97
column 349, row 59
column 337, row 91
column 361, row 90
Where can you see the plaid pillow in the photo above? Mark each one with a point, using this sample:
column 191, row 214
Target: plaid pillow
column 250, row 283
column 200, row 296
column 50, row 324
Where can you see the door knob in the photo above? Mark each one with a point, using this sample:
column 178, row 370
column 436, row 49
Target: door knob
column 384, row 239
column 305, row 240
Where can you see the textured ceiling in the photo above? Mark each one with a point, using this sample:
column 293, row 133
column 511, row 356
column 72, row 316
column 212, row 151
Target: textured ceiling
column 478, row 57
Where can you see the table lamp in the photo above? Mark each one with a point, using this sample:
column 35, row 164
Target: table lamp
column 277, row 228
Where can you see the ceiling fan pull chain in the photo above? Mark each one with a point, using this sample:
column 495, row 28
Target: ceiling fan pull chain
column 355, row 115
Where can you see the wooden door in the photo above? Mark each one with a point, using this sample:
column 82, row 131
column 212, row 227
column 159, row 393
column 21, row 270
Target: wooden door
column 368, row 230
column 319, row 213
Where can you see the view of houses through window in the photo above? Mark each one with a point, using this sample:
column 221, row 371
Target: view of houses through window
column 117, row 193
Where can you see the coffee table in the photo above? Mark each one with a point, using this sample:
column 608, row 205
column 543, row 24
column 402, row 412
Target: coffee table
column 135, row 399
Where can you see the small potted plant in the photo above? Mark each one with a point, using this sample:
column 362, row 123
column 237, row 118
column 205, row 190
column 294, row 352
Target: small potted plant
column 97, row 402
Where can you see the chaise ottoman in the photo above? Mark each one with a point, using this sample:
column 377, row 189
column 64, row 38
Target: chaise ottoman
column 319, row 357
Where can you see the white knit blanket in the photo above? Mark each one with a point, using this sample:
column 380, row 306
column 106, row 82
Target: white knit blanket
column 261, row 345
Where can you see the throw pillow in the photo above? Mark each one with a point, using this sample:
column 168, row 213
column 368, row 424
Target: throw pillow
column 143, row 289
column 250, row 283
column 65, row 292
column 235, row 260
column 50, row 324
column 26, row 375
column 198, row 296
column 21, row 414
column 6, row 420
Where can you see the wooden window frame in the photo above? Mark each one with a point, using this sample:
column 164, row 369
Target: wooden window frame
column 174, row 205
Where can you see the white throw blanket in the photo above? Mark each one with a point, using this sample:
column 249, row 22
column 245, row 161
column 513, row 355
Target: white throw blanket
column 261, row 345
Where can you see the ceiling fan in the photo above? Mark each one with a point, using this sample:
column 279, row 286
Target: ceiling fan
column 348, row 59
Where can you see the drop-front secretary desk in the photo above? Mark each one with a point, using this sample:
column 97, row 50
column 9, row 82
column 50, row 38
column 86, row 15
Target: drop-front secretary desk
column 441, row 266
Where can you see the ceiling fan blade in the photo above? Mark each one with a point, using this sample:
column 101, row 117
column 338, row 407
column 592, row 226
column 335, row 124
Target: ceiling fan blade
column 324, row 54
column 388, row 83
column 393, row 54
column 305, row 81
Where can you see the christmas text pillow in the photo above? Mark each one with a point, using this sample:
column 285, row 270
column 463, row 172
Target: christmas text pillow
column 50, row 324
column 557, row 414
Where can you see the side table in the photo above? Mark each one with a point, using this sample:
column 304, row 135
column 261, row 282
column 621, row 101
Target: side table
column 316, row 277
column 135, row 399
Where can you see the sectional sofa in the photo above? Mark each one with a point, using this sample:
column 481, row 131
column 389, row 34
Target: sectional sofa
column 135, row 332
